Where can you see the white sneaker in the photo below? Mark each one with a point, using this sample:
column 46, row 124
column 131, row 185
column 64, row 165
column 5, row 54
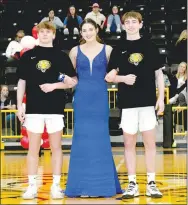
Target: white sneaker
column 107, row 30
column 56, row 192
column 153, row 191
column 118, row 30
column 131, row 191
column 31, row 192
column 66, row 31
column 75, row 31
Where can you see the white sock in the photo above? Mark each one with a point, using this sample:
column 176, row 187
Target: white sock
column 32, row 179
column 56, row 179
column 150, row 177
column 132, row 178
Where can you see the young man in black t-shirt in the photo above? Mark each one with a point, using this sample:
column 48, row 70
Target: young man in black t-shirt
column 134, row 65
column 38, row 72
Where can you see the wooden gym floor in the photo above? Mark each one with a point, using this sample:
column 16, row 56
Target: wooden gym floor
column 170, row 168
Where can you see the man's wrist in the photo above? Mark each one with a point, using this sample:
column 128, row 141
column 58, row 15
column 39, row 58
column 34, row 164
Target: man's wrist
column 61, row 78
column 19, row 106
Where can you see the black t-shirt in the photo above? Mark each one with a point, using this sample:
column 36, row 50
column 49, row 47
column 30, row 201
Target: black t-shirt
column 141, row 58
column 43, row 65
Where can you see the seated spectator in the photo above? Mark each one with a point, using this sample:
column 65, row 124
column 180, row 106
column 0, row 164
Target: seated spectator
column 114, row 21
column 96, row 16
column 8, row 119
column 178, row 84
column 14, row 47
column 179, row 52
column 72, row 22
column 54, row 19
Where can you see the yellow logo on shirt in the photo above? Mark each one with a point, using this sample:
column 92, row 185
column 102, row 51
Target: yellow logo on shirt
column 136, row 58
column 43, row 65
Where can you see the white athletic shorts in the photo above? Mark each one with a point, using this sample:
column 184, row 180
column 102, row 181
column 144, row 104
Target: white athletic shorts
column 35, row 122
column 140, row 118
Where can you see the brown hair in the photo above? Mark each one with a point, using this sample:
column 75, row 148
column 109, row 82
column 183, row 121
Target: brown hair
column 69, row 14
column 46, row 25
column 93, row 23
column 132, row 14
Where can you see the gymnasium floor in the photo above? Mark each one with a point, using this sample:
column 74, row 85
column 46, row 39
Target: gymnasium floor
column 171, row 178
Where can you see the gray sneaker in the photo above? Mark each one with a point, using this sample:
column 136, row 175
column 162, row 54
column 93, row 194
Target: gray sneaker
column 131, row 191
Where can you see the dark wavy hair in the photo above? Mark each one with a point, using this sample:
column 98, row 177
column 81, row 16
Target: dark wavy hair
column 93, row 23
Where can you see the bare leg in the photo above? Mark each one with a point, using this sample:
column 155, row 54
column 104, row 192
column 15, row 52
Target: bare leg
column 33, row 152
column 150, row 149
column 130, row 152
column 57, row 155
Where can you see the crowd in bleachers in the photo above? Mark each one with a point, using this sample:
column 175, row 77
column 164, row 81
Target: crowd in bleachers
column 164, row 22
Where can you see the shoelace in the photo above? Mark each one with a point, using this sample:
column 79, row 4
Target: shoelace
column 131, row 186
column 153, row 186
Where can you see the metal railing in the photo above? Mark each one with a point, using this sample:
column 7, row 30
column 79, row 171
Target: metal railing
column 112, row 97
column 179, row 121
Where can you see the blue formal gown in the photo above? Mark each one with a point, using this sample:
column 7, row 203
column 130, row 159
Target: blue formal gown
column 91, row 170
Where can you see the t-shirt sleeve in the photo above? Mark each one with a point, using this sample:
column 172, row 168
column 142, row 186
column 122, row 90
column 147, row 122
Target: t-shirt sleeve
column 22, row 67
column 66, row 66
column 156, row 58
column 114, row 59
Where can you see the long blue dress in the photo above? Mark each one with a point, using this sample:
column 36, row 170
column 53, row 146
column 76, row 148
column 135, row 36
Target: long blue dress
column 91, row 170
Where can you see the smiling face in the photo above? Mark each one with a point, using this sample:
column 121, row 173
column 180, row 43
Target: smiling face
column 132, row 26
column 89, row 32
column 182, row 68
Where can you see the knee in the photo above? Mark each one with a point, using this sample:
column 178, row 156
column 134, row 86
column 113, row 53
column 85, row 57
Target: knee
column 150, row 146
column 129, row 143
column 10, row 117
column 181, row 98
column 76, row 32
column 33, row 154
column 56, row 148
column 66, row 31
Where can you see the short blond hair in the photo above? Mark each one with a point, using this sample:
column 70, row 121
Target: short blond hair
column 132, row 14
column 46, row 25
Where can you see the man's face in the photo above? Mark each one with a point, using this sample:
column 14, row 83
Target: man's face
column 132, row 26
column 95, row 9
column 19, row 36
column 46, row 36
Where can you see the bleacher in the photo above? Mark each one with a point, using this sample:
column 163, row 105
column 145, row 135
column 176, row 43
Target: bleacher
column 164, row 20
